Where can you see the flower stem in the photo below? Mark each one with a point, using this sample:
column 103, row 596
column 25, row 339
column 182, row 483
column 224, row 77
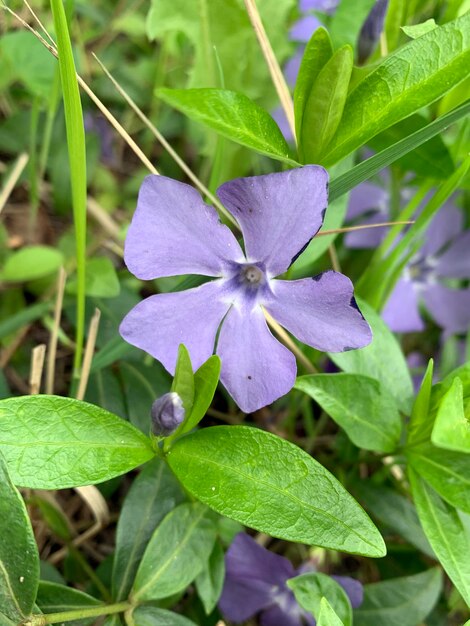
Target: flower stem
column 69, row 616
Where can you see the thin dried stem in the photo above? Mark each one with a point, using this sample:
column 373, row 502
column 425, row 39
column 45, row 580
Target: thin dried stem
column 161, row 139
column 12, row 179
column 274, row 69
column 282, row 334
column 89, row 351
column 334, row 258
column 37, row 366
column 52, row 351
column 96, row 211
column 348, row 229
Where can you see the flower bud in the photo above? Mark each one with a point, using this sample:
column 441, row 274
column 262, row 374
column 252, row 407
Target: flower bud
column 167, row 414
column 371, row 30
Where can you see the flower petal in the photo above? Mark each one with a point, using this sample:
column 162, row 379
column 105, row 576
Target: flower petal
column 304, row 28
column 174, row 232
column 253, row 576
column 401, row 312
column 291, row 615
column 367, row 237
column 450, row 308
column 368, row 197
column 353, row 589
column 256, row 368
column 160, row 323
column 455, row 261
column 444, row 227
column 278, row 213
column 320, row 311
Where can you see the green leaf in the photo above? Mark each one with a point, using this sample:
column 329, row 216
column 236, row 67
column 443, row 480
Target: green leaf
column 348, row 20
column 206, row 379
column 50, row 442
column 210, row 581
column 407, row 80
column 420, row 424
column 154, row 493
column 452, row 427
column 183, row 381
column 317, row 52
column 395, row 512
column 233, row 115
column 271, row 485
column 19, row 558
column 368, row 168
column 446, row 533
column 310, row 588
column 30, row 263
column 151, row 616
column 401, row 601
column 360, row 405
column 20, row 319
column 418, row 30
column 430, row 160
column 392, row 372
column 54, row 598
column 325, row 104
column 176, row 553
column 446, row 471
column 327, row 616
column 101, row 279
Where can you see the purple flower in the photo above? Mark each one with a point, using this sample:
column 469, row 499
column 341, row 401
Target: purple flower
column 167, row 414
column 255, row 582
column 174, row 232
column 371, row 30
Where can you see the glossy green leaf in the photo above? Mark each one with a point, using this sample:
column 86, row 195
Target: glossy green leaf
column 430, row 160
column 392, row 371
column 210, row 581
column 420, row 424
column 206, row 379
column 446, row 533
column 310, row 588
column 395, row 512
column 401, row 601
column 328, row 616
column 101, row 279
column 324, row 106
column 50, row 442
column 317, row 52
column 176, row 553
column 446, row 471
column 418, row 30
column 368, row 168
column 154, row 493
column 452, row 427
column 233, row 115
column 411, row 77
column 152, row 616
column 19, row 558
column 30, row 263
column 183, row 381
column 271, row 485
column 360, row 405
column 54, row 598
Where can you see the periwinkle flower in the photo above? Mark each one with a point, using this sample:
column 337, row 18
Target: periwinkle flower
column 255, row 583
column 167, row 413
column 371, row 30
column 173, row 232
column 443, row 255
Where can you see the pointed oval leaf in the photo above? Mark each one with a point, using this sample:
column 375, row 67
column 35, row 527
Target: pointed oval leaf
column 420, row 423
column 310, row 588
column 152, row 616
column 55, row 598
column 233, row 115
column 271, row 485
column 50, row 442
column 445, row 531
column 452, row 427
column 183, row 382
column 359, row 404
column 176, row 553
column 206, row 379
column 328, row 617
column 210, row 581
column 401, row 601
column 410, row 78
column 19, row 558
column 154, row 493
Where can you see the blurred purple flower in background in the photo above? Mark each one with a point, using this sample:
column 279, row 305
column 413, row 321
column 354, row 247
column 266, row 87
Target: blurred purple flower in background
column 444, row 255
column 255, row 582
column 173, row 232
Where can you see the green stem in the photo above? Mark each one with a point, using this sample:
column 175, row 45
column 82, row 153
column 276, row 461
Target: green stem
column 69, row 616
column 78, row 556
column 33, row 167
